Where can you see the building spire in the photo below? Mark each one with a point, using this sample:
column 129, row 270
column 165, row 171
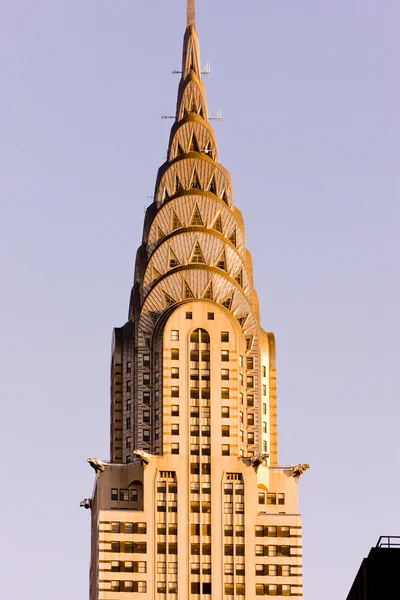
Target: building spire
column 191, row 13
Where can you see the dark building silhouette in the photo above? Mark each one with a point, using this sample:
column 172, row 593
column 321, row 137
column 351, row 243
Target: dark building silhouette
column 378, row 575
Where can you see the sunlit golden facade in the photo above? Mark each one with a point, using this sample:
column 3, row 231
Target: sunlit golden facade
column 193, row 503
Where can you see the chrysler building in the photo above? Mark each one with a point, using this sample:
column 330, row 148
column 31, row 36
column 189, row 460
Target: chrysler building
column 193, row 504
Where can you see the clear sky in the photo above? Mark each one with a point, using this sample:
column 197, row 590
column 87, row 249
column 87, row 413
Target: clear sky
column 310, row 96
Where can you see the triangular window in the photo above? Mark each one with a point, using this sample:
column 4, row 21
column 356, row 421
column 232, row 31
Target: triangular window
column 176, row 224
column 239, row 277
column 225, row 197
column 178, row 185
column 169, row 300
column 249, row 342
column 232, row 237
column 207, row 149
column 221, row 262
column 196, row 218
column 160, row 233
column 180, row 150
column 242, row 320
column 217, row 225
column 213, row 187
column 197, row 255
column 165, row 194
column 193, row 107
column 195, row 181
column 154, row 316
column 228, row 302
column 208, row 292
column 187, row 292
column 194, row 147
column 173, row 260
column 155, row 274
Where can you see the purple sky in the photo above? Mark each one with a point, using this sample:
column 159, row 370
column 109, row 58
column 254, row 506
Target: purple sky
column 310, row 96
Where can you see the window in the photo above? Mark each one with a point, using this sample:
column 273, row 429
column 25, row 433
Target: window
column 173, row 529
column 285, row 571
column 114, row 494
column 273, row 590
column 228, row 550
column 175, row 410
column 174, row 353
column 259, row 589
column 250, row 419
column 194, row 374
column 173, row 567
column 194, row 529
column 225, row 412
column 205, row 393
column 226, row 450
column 225, row 430
column 194, row 430
column 225, row 374
column 206, row 507
column 175, row 391
column 210, row 316
column 206, row 529
column 241, row 378
column 115, row 566
column 239, row 489
column 225, row 355
column 161, row 506
column 128, row 367
column 264, row 409
column 224, row 336
column 228, row 508
column 239, row 508
column 174, row 429
column 228, row 569
column 195, row 506
column 260, row 570
column 205, row 431
column 140, row 567
column 115, row 527
column 240, row 587
column 286, row 590
column 206, row 469
column 161, row 487
column 206, row 549
column 195, row 567
column 225, row 393
column 264, row 371
column 239, row 530
column 175, row 373
column 146, row 435
column 206, row 450
column 161, row 587
column 264, row 427
column 172, row 506
column 115, row 586
column 194, row 468
column 134, row 495
column 194, row 393
column 228, row 530
column 272, row 531
column 175, row 335
column 271, row 498
column 189, row 315
column 240, row 361
column 161, row 548
column 173, row 548
column 272, row 551
column 161, row 529
column 261, row 498
column 161, row 566
column 281, row 498
column 124, row 495
column 259, row 550
column 146, row 378
column 250, row 362
column 273, row 570
column 229, row 589
column 195, row 549
column 228, row 489
column 250, row 381
column 128, row 442
column 128, row 423
column 205, row 412
column 239, row 549
column 250, row 438
column 146, row 416
column 194, row 449
column 259, row 531
column 207, row 588
column 205, row 375
column 195, row 586
column 250, row 400
column 206, row 568
column 146, row 397
column 174, row 448
column 264, row 390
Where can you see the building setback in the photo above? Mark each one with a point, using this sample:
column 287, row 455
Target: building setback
column 193, row 504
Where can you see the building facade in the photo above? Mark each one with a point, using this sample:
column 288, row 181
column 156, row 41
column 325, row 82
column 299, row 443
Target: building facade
column 193, row 503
